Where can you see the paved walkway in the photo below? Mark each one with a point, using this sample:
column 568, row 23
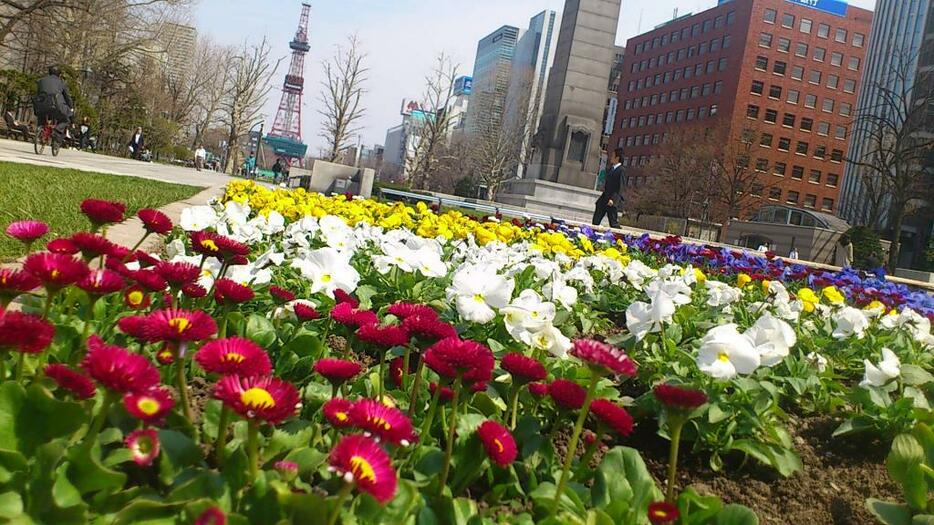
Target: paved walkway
column 22, row 152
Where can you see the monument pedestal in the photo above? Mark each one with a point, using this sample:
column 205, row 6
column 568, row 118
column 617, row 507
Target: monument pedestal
column 549, row 198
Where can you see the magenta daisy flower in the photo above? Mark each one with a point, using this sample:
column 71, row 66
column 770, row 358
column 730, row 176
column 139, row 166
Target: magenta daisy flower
column 173, row 324
column 101, row 212
column 154, row 221
column 523, row 369
column 14, row 283
column 281, row 295
column 150, row 406
column 144, row 445
column 337, row 412
column 603, row 357
column 498, row 442
column 453, row 357
column 62, row 245
column 136, row 297
column 216, row 245
column 538, row 389
column 262, row 398
column 383, row 336
column 613, row 416
column 337, row 371
column 234, row 355
column 80, row 385
column 25, row 333
column 149, row 280
column 305, row 312
column 567, row 394
column 56, row 271
column 663, row 513
column 27, row 231
column 428, row 329
column 446, row 394
column 386, row 423
column 679, row 398
column 179, row 273
column 212, row 516
column 361, row 461
column 117, row 368
column 340, row 296
column 101, row 282
column 229, row 292
column 348, row 315
column 406, row 310
column 91, row 245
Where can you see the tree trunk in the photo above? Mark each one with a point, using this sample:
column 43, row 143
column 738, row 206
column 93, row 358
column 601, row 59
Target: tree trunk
column 899, row 215
column 230, row 158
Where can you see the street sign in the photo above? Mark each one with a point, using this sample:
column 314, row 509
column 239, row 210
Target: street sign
column 834, row 7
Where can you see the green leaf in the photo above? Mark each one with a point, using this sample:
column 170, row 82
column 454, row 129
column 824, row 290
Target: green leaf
column 147, row 511
column 915, row 375
column 623, row 487
column 260, row 330
column 305, row 343
column 889, row 513
column 291, row 436
column 715, row 414
column 11, row 505
column 922, row 519
column 906, row 452
column 63, row 492
column 178, row 453
column 308, row 459
column 29, row 418
column 737, row 515
column 365, row 295
column 87, row 473
column 463, row 510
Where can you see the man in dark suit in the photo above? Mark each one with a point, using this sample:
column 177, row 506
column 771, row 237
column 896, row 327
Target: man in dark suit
column 611, row 200
column 136, row 144
column 53, row 101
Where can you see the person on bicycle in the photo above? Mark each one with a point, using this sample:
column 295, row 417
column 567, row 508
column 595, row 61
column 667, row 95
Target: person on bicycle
column 53, row 101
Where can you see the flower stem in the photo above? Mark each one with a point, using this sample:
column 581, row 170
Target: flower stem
column 432, row 408
column 382, row 379
column 416, row 384
column 21, row 365
column 572, row 445
column 135, row 247
column 50, row 295
column 405, row 365
column 514, row 405
column 221, row 435
column 3, row 358
column 252, row 448
column 449, row 446
column 676, row 424
column 182, row 386
column 339, row 504
column 99, row 420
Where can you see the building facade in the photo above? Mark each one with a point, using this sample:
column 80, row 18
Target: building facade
column 491, row 77
column 778, row 71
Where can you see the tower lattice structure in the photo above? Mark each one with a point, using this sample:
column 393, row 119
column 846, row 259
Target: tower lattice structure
column 288, row 123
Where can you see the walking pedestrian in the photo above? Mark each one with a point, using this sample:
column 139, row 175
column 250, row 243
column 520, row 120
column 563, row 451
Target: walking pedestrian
column 136, row 144
column 610, row 201
column 200, row 155
column 276, row 170
column 843, row 252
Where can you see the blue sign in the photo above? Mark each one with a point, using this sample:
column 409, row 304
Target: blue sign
column 834, row 7
column 463, row 86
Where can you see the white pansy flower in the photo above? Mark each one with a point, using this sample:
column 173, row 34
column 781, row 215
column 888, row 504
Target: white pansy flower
column 637, row 273
column 772, row 338
column 818, row 361
column 879, row 375
column 197, row 218
column 477, row 290
column 721, row 294
column 561, row 292
column 643, row 318
column 328, row 270
column 551, row 340
column 249, row 275
column 849, row 321
column 174, row 248
column 724, row 353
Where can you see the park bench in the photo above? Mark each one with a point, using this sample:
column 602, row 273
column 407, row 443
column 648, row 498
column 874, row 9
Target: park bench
column 15, row 129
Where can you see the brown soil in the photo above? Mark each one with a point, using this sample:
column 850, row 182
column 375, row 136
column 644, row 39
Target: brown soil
column 839, row 474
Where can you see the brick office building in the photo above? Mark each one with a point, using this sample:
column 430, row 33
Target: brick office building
column 786, row 70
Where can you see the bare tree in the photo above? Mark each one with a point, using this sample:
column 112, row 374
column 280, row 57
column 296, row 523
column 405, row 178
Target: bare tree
column 216, row 79
column 679, row 174
column 737, row 184
column 249, row 84
column 897, row 144
column 341, row 96
column 433, row 131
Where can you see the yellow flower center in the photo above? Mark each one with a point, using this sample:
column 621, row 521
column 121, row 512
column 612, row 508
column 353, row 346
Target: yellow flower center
column 341, row 416
column 478, row 298
column 135, row 298
column 180, row 324
column 659, row 513
column 380, row 422
column 326, row 278
column 257, row 398
column 3, row 280
column 55, row 274
column 209, row 244
column 722, row 356
column 499, row 444
column 362, row 469
column 233, row 357
column 148, row 406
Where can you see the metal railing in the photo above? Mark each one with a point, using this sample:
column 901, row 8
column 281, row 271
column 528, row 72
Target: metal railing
column 488, row 209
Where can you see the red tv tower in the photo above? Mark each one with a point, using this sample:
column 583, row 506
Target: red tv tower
column 286, row 135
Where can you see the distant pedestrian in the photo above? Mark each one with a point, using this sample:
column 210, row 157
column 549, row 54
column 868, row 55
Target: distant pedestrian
column 276, row 170
column 793, row 254
column 843, row 252
column 84, row 133
column 610, row 201
column 200, row 155
column 136, row 144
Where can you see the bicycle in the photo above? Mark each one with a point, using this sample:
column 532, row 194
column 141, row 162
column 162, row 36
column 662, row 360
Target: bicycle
column 47, row 136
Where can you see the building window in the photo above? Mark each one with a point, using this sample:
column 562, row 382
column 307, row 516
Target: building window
column 779, row 169
column 769, row 16
column 792, row 197
column 765, row 39
column 692, row 113
column 757, row 190
column 828, row 105
column 846, row 109
column 775, row 92
column 823, row 30
column 839, row 132
column 771, row 116
column 820, row 152
column 715, row 45
column 784, row 45
column 789, row 120
column 762, row 165
column 807, row 124
column 853, row 65
column 718, row 87
column 840, row 35
column 669, row 117
column 757, row 87
column 797, row 172
column 858, row 39
column 802, row 148
column 679, row 116
column 707, row 90
column 711, row 67
column 819, row 54
column 836, row 59
column 577, row 150
column 708, row 25
column 797, row 72
column 718, row 22
column 779, row 67
column 775, row 194
column 730, row 18
column 814, row 77
column 801, row 50
column 784, row 144
column 849, row 86
column 713, row 109
column 810, row 101
column 766, row 140
column 698, row 70
column 814, row 176
column 788, row 20
column 810, row 200
column 805, row 26
column 695, row 91
column 726, row 41
column 721, row 64
column 793, row 96
column 833, row 81
column 836, row 155
column 832, row 180
column 762, row 63
column 702, row 113
column 826, row 204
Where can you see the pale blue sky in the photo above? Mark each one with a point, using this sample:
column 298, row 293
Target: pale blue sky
column 401, row 38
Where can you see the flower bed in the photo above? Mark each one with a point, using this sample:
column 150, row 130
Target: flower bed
column 310, row 359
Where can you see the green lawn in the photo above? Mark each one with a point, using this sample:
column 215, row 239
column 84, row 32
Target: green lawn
column 54, row 195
